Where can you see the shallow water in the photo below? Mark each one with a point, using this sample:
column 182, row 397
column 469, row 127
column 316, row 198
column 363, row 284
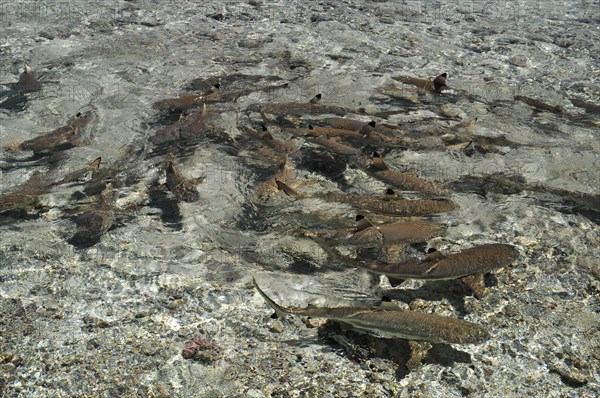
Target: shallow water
column 111, row 317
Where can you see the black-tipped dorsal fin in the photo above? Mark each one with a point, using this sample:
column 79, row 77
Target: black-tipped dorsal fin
column 266, row 135
column 362, row 223
column 440, row 81
column 315, row 99
column 377, row 162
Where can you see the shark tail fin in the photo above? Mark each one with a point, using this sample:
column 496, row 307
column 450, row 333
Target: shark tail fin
column 279, row 311
column 327, row 248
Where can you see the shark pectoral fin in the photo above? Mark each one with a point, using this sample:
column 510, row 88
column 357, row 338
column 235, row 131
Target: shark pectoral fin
column 476, row 284
column 418, row 351
column 282, row 186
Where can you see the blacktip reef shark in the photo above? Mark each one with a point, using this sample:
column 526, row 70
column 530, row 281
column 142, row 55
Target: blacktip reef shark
column 27, row 81
column 316, row 99
column 367, row 234
column 399, row 207
column 311, row 107
column 333, row 145
column 391, row 321
column 471, row 264
column 26, row 196
column 64, row 137
column 399, row 179
column 273, row 149
column 188, row 101
column 326, row 132
column 182, row 187
column 81, row 174
column 189, row 125
column 436, row 85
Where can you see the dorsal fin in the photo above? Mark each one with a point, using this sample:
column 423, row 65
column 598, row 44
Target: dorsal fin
column 389, row 194
column 362, row 223
column 266, row 135
column 377, row 162
column 433, row 254
column 440, row 82
column 95, row 164
column 368, row 127
column 315, row 99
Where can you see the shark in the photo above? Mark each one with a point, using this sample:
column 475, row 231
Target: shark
column 188, row 101
column 436, row 85
column 326, row 132
column 26, row 196
column 468, row 265
column 81, row 174
column 312, row 107
column 399, row 179
column 27, row 81
column 367, row 234
column 189, row 125
column 183, row 188
column 391, row 321
column 95, row 219
column 63, row 137
column 398, row 207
